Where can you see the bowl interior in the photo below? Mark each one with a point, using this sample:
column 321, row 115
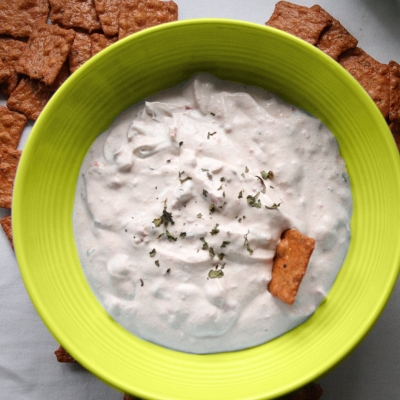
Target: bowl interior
column 141, row 65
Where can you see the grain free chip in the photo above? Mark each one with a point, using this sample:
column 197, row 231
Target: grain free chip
column 11, row 50
column 56, row 11
column 301, row 21
column 81, row 14
column 136, row 15
column 29, row 98
column 290, row 263
column 63, row 356
column 100, row 42
column 371, row 74
column 394, row 91
column 60, row 79
column 8, row 79
column 335, row 39
column 9, row 159
column 11, row 127
column 5, row 222
column 19, row 17
column 81, row 50
column 108, row 12
column 46, row 52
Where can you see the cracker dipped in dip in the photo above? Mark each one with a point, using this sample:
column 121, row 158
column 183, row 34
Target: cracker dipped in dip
column 182, row 202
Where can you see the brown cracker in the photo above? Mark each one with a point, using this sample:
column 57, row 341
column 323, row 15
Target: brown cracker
column 108, row 13
column 29, row 98
column 8, row 80
column 301, row 21
column 81, row 14
column 11, row 50
column 394, row 92
column 81, row 50
column 60, row 79
column 136, row 15
column 19, row 17
column 11, row 126
column 46, row 52
column 56, row 11
column 290, row 263
column 100, row 42
column 9, row 159
column 371, row 74
column 335, row 39
column 5, row 222
column 63, row 356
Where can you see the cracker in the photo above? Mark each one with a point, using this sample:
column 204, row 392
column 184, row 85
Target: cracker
column 63, row 356
column 108, row 13
column 371, row 74
column 81, row 50
column 81, row 14
column 9, row 159
column 11, row 50
column 5, row 222
column 290, row 263
column 100, row 42
column 46, row 52
column 11, row 126
column 18, row 18
column 60, row 79
column 394, row 92
column 335, row 39
column 56, row 11
column 136, row 15
column 300, row 21
column 29, row 98
column 8, row 79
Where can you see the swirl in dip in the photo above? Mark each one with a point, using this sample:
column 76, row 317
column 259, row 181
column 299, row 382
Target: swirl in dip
column 180, row 206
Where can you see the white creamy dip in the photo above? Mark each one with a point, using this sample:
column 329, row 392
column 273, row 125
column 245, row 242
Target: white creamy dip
column 192, row 155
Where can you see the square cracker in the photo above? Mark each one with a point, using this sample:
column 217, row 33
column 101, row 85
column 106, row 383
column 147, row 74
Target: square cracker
column 394, row 92
column 56, row 11
column 63, row 356
column 100, row 42
column 11, row 50
column 290, row 263
column 300, row 21
column 11, row 126
column 19, row 17
column 9, row 159
column 136, row 15
column 8, row 79
column 5, row 222
column 335, row 39
column 371, row 74
column 108, row 12
column 46, row 52
column 81, row 50
column 81, row 14
column 29, row 98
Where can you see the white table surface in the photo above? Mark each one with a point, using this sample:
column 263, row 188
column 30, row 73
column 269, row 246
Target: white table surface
column 28, row 367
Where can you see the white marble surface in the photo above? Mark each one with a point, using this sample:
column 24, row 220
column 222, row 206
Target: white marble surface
column 28, row 368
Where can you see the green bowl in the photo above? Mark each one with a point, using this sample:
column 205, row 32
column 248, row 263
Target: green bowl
column 143, row 64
